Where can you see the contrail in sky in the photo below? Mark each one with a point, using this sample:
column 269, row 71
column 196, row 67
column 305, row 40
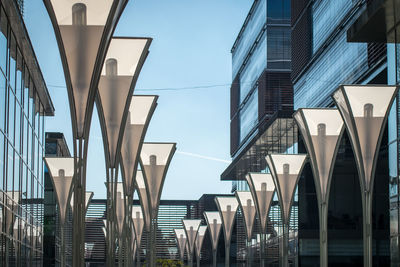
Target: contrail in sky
column 202, row 157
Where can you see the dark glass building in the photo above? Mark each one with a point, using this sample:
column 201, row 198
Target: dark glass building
column 24, row 102
column 260, row 70
column 322, row 59
column 261, row 112
column 379, row 22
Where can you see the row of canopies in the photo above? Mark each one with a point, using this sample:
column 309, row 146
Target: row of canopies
column 102, row 69
column 363, row 111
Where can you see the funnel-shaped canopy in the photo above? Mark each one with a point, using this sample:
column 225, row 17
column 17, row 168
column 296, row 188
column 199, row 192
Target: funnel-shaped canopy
column 138, row 223
column 140, row 111
column 124, row 60
column 88, row 198
column 155, row 158
column 144, row 202
column 322, row 130
column 181, row 241
column 201, row 233
column 248, row 209
column 364, row 109
column 83, row 31
column 214, row 222
column 262, row 188
column 227, row 207
column 120, row 208
column 286, row 170
column 61, row 172
column 191, row 227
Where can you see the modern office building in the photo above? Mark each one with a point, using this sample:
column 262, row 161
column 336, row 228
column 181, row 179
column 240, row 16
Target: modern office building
column 261, row 110
column 379, row 22
column 260, row 71
column 24, row 103
column 322, row 59
column 55, row 146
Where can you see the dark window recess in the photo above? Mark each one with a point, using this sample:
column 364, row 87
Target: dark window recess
column 376, row 52
column 301, row 42
column 275, row 92
column 297, row 7
column 234, row 133
column 235, row 95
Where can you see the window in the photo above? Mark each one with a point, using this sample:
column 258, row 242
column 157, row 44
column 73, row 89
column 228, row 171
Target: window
column 2, row 161
column 249, row 115
column 11, row 116
column 326, row 16
column 3, row 41
column 253, row 69
column 248, row 36
column 279, row 49
column 278, row 11
column 3, row 102
column 13, row 64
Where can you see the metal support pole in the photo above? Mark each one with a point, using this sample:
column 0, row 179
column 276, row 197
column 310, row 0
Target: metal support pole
column 248, row 256
column 323, row 234
column 285, row 247
column 120, row 242
column 190, row 256
column 62, row 245
column 227, row 253
column 138, row 262
column 7, row 256
column 128, row 228
column 367, row 228
column 148, row 246
column 114, row 179
column 214, row 257
column 153, row 253
column 198, row 261
column 78, row 242
column 262, row 249
column 108, row 226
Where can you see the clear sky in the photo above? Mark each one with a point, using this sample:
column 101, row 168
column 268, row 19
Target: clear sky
column 191, row 48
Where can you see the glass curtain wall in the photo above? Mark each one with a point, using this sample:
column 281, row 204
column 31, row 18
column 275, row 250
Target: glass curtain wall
column 394, row 148
column 21, row 153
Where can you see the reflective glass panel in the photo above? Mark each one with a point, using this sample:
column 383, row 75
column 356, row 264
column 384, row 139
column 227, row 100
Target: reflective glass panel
column 253, row 69
column 248, row 36
column 341, row 63
column 249, row 115
column 12, row 68
column 3, row 102
column 326, row 17
column 3, row 41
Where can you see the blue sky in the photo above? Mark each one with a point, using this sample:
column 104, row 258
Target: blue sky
column 191, row 47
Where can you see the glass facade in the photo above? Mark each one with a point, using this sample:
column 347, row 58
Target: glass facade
column 326, row 17
column 340, row 63
column 334, row 61
column 249, row 115
column 263, row 45
column 248, row 35
column 394, row 150
column 21, row 146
